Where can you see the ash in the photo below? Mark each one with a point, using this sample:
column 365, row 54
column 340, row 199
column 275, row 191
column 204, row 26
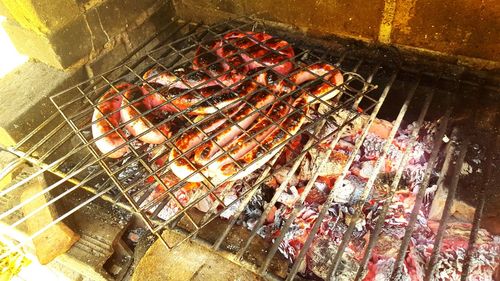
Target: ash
column 341, row 213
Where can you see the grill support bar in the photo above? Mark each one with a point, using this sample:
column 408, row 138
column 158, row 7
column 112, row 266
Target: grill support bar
column 418, row 200
column 369, row 185
column 397, row 177
column 339, row 180
column 447, row 207
column 486, row 189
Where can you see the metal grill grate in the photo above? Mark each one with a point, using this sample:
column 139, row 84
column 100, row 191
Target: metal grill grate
column 66, row 148
column 79, row 104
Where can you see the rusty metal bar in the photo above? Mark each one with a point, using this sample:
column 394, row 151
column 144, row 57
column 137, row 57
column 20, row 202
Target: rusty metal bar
column 420, row 195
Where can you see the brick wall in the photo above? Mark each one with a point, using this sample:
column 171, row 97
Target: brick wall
column 467, row 30
column 70, row 33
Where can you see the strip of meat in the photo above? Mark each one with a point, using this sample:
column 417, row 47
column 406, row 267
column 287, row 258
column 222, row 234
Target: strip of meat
column 183, row 78
column 259, row 130
column 200, row 101
column 266, row 149
column 235, row 55
column 265, row 125
column 325, row 76
column 274, row 82
column 146, row 127
column 326, row 89
column 267, row 51
column 259, row 56
column 220, row 63
column 106, row 130
column 242, row 120
column 207, row 59
column 312, row 72
column 183, row 167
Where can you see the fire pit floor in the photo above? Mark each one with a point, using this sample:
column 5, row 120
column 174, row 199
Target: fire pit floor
column 189, row 261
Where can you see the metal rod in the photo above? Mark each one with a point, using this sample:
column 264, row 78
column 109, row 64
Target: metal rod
column 486, row 189
column 395, row 183
column 339, row 180
column 371, row 181
column 420, row 195
column 447, row 208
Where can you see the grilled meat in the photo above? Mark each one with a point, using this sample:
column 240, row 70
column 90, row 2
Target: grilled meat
column 109, row 138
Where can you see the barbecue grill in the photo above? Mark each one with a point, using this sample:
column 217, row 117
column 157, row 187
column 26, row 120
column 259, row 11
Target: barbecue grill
column 378, row 84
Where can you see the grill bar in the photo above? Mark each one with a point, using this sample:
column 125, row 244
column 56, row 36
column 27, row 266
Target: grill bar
column 369, row 185
column 447, row 208
column 395, row 182
column 486, row 189
column 339, row 180
column 418, row 200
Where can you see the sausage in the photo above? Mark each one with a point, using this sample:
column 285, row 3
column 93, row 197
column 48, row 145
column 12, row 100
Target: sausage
column 267, row 148
column 211, row 99
column 274, row 82
column 312, row 72
column 183, row 167
column 106, row 130
column 143, row 124
column 265, row 125
column 326, row 89
column 240, row 52
column 199, row 101
column 324, row 79
column 267, row 51
column 245, row 117
column 182, row 78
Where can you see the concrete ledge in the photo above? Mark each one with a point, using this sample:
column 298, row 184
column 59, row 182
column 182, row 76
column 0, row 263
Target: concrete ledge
column 188, row 261
column 42, row 16
column 66, row 35
column 61, row 49
column 24, row 96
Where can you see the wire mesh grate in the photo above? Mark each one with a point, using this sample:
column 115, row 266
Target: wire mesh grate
column 144, row 157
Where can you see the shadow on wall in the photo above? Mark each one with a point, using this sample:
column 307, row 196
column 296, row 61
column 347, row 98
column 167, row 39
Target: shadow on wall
column 9, row 56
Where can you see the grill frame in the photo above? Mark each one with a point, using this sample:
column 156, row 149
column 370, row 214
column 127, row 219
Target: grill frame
column 263, row 269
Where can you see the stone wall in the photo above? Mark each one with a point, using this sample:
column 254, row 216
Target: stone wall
column 70, row 33
column 97, row 34
column 467, row 30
